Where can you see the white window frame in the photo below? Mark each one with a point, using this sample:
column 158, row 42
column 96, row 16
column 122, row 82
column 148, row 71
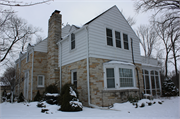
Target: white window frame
column 150, row 83
column 117, row 77
column 42, row 81
column 127, row 41
column 114, row 38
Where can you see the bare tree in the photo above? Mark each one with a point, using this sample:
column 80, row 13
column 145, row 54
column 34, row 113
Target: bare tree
column 15, row 3
column 147, row 39
column 16, row 29
column 9, row 78
column 131, row 21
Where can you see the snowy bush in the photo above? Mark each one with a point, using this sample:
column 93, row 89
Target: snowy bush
column 169, row 89
column 52, row 98
column 52, row 94
column 69, row 99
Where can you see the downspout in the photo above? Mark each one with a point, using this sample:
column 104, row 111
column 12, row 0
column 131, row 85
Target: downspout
column 88, row 87
column 137, row 72
column 60, row 82
column 32, row 72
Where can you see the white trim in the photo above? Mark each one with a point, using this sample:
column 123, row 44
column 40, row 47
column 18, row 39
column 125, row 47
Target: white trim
column 42, row 81
column 27, row 57
column 116, row 67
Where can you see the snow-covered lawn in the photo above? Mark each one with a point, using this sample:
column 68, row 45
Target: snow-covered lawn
column 169, row 109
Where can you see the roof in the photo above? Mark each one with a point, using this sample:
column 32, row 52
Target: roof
column 98, row 16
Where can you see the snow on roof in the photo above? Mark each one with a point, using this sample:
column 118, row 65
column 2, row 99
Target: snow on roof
column 119, row 62
column 4, row 84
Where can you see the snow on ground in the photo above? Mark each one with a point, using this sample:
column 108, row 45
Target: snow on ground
column 169, row 109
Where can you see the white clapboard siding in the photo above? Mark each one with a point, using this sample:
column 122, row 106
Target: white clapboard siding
column 79, row 53
column 41, row 47
column 98, row 47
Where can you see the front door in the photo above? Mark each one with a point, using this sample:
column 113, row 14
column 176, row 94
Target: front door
column 26, row 82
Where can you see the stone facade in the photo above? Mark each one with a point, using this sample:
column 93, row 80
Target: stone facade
column 80, row 67
column 21, row 68
column 102, row 97
column 39, row 68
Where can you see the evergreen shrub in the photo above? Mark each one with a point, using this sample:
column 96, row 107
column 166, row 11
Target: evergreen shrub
column 21, row 98
column 38, row 97
column 169, row 89
column 69, row 99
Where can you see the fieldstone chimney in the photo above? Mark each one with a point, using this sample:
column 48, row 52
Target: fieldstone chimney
column 54, row 34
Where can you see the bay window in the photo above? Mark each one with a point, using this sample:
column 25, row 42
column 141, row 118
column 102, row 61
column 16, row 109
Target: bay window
column 119, row 76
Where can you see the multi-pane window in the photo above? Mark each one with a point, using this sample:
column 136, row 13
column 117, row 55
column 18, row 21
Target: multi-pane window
column 126, row 77
column 146, row 81
column 72, row 41
column 125, row 39
column 40, row 81
column 110, row 78
column 118, row 39
column 109, row 37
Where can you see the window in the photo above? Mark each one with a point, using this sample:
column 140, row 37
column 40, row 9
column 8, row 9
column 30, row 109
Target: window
column 118, row 39
column 27, row 57
column 125, row 38
column 72, row 41
column 110, row 78
column 109, row 37
column 74, row 78
column 146, row 82
column 40, row 81
column 126, row 77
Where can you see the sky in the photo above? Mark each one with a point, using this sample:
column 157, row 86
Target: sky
column 76, row 12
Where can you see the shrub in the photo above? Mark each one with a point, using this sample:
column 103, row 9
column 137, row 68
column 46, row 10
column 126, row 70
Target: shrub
column 133, row 99
column 52, row 89
column 169, row 89
column 69, row 99
column 38, row 97
column 142, row 105
column 21, row 98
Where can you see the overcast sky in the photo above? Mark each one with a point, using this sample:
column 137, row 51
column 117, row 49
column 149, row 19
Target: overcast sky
column 76, row 12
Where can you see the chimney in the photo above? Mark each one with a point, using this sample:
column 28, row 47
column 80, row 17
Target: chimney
column 54, row 34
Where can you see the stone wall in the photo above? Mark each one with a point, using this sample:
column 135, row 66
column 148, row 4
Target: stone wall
column 40, row 68
column 80, row 66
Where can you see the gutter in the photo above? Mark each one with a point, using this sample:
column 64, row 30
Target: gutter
column 32, row 72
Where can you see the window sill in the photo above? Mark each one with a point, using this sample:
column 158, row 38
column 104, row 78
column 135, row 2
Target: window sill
column 121, row 89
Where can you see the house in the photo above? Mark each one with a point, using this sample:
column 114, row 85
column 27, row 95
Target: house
column 101, row 58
